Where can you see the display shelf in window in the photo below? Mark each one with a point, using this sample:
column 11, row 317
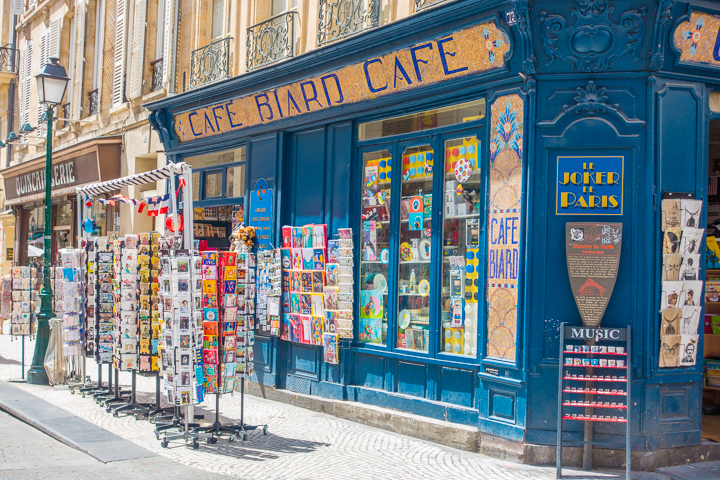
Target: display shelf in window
column 375, row 246
column 460, row 288
column 415, row 252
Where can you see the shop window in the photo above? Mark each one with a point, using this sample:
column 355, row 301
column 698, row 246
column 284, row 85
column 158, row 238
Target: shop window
column 97, row 213
column 715, row 102
column 213, row 184
column 64, row 216
column 416, row 122
column 36, row 230
column 460, row 287
column 415, row 243
column 196, row 185
column 375, row 254
column 235, row 181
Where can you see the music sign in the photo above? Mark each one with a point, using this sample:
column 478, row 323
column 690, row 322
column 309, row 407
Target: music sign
column 589, row 185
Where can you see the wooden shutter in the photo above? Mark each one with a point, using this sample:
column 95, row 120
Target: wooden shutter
column 31, row 4
column 78, row 71
column 168, row 54
column 18, row 7
column 54, row 39
column 44, row 49
column 26, row 65
column 138, row 50
column 119, row 57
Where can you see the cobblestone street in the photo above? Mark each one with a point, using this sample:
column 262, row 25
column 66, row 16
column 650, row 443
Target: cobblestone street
column 301, row 444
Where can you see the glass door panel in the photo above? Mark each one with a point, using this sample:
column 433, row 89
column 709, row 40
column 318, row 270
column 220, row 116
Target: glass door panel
column 375, row 253
column 415, row 249
column 462, row 204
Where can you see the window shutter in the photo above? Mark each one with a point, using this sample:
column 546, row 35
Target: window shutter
column 168, row 54
column 138, row 49
column 44, row 49
column 31, row 4
column 79, row 60
column 18, row 7
column 24, row 92
column 119, row 66
column 54, row 39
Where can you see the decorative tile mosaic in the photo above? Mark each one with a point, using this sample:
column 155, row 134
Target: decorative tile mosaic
column 504, row 217
column 698, row 39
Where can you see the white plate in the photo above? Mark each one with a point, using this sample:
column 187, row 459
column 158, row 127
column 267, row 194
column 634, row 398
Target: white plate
column 380, row 283
column 385, row 255
column 425, row 249
column 404, row 319
column 424, row 288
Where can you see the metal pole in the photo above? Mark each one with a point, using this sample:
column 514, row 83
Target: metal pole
column 22, row 372
column 37, row 374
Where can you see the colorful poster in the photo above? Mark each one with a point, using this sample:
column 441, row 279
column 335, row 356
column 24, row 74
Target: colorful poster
column 261, row 207
column 589, row 185
column 371, row 305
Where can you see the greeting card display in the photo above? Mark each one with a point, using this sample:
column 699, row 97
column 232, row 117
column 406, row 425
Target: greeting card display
column 105, row 297
column 69, row 292
column 125, row 295
column 180, row 324
column 268, row 292
column 25, row 298
column 682, row 285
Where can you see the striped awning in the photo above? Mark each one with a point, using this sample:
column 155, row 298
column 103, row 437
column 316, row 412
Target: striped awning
column 139, row 179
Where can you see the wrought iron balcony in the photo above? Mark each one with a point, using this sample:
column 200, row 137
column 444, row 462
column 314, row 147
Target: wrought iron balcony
column 93, row 103
column 344, row 18
column 210, row 63
column 158, row 68
column 420, row 4
column 9, row 59
column 271, row 41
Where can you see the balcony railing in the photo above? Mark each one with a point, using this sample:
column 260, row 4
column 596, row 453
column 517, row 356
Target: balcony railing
column 9, row 60
column 65, row 114
column 93, row 103
column 157, row 74
column 344, row 18
column 271, row 41
column 210, row 63
column 420, row 4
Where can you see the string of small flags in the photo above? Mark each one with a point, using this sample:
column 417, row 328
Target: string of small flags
column 159, row 205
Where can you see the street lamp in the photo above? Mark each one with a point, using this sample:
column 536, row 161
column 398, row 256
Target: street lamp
column 51, row 85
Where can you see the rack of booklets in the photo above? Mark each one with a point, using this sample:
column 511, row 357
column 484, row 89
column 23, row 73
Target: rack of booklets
column 25, row 299
column 594, row 381
column 70, row 308
column 317, row 289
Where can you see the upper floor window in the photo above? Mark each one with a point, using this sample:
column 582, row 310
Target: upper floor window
column 220, row 18
column 280, row 6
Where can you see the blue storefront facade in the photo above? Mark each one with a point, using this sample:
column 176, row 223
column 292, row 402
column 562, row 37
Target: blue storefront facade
column 518, row 88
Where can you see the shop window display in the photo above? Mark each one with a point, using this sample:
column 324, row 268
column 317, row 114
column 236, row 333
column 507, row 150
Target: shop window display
column 375, row 244
column 415, row 249
column 462, row 205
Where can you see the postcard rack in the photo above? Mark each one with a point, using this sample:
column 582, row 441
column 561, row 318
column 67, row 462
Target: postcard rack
column 594, row 379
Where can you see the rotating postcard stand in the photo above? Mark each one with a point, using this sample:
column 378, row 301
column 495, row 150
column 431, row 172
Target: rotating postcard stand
column 113, row 398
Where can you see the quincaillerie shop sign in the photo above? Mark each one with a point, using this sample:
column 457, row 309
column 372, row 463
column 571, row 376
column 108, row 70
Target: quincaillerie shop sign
column 475, row 49
column 77, row 171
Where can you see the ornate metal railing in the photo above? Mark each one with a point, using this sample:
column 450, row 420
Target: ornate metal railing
column 271, row 41
column 9, row 59
column 93, row 103
column 420, row 4
column 210, row 63
column 343, row 18
column 157, row 74
column 65, row 114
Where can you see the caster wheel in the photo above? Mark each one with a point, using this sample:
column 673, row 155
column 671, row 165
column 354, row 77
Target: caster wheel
column 243, row 436
column 115, row 414
column 72, row 392
column 107, row 410
column 265, row 430
column 213, row 440
column 83, row 395
column 164, row 443
column 232, row 438
column 157, row 436
column 195, row 445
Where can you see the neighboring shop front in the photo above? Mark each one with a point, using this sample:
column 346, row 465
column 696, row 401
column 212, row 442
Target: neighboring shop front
column 82, row 164
column 458, row 184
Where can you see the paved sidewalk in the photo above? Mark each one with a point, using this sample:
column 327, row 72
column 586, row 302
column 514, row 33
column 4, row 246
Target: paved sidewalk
column 301, row 444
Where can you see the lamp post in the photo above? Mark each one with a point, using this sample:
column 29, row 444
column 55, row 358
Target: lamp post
column 51, row 85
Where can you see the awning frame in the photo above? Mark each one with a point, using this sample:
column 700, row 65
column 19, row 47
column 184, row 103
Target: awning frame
column 167, row 172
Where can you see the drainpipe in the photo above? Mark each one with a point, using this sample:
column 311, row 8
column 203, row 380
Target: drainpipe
column 176, row 20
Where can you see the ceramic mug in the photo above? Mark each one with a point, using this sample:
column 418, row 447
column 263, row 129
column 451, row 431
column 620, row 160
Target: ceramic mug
column 602, row 349
column 594, row 362
column 611, row 363
column 586, row 362
column 603, row 362
column 568, row 361
column 619, row 349
column 620, row 363
column 611, row 349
